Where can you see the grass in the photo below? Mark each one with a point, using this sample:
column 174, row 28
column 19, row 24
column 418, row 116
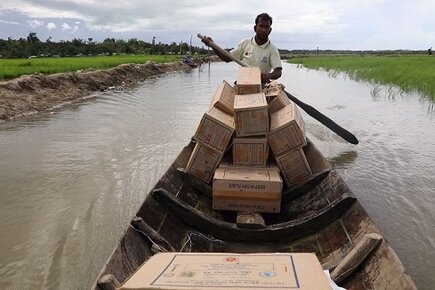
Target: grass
column 409, row 73
column 12, row 68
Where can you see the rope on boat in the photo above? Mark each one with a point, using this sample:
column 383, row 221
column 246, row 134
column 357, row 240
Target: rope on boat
column 192, row 233
column 155, row 247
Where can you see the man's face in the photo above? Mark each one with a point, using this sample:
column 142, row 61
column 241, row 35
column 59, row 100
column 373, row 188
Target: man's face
column 262, row 29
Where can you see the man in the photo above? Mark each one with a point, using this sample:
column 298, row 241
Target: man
column 257, row 51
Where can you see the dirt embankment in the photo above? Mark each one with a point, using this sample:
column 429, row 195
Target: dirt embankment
column 36, row 93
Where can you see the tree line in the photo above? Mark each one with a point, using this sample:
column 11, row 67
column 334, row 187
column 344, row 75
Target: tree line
column 32, row 46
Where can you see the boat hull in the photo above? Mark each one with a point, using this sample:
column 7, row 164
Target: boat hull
column 322, row 217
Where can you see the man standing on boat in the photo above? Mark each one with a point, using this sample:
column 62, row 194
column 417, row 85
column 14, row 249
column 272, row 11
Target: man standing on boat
column 257, row 51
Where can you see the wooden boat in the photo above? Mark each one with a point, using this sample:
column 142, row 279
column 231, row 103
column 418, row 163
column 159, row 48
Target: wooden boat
column 320, row 216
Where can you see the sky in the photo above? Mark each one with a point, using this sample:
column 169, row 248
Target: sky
column 297, row 24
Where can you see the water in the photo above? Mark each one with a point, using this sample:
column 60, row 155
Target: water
column 71, row 179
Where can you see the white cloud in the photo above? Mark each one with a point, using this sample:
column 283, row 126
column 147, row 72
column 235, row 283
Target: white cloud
column 75, row 28
column 65, row 26
column 35, row 23
column 9, row 22
column 50, row 26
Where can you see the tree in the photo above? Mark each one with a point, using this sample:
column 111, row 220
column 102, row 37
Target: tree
column 33, row 38
column 31, row 45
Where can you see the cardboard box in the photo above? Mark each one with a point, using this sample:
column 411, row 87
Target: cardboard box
column 228, row 162
column 229, row 271
column 272, row 88
column 247, row 205
column 248, row 151
column 287, row 130
column 251, row 115
column 294, row 166
column 215, row 129
column 247, row 189
column 278, row 102
column 248, row 80
column 203, row 161
column 224, row 98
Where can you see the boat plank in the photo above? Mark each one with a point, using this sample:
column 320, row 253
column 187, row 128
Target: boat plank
column 229, row 231
column 154, row 237
column 132, row 251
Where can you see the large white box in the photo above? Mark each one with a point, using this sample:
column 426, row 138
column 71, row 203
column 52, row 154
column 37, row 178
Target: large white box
column 229, row 271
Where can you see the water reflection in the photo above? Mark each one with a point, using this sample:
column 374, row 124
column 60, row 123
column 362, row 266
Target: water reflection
column 319, row 132
column 344, row 159
column 338, row 107
column 430, row 109
column 381, row 92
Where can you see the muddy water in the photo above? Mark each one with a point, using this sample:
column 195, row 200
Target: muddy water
column 71, row 179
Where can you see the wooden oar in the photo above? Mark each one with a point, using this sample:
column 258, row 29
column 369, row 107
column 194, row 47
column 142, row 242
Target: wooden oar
column 340, row 131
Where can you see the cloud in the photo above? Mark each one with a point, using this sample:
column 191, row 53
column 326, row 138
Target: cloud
column 65, row 26
column 9, row 22
column 50, row 26
column 335, row 24
column 35, row 23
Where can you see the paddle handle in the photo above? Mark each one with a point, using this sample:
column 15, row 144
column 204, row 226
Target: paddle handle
column 221, row 50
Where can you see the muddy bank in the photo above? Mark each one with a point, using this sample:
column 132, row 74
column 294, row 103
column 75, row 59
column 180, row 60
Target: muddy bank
column 36, row 93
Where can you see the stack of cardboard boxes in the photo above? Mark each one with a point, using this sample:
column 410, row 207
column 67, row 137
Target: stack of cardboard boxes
column 240, row 126
column 214, row 134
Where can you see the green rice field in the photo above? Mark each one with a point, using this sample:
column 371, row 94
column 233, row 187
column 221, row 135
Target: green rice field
column 409, row 73
column 12, row 68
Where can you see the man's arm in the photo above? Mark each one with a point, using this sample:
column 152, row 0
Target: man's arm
column 275, row 62
column 222, row 56
column 275, row 74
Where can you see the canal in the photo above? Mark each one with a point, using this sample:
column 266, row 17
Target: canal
column 72, row 178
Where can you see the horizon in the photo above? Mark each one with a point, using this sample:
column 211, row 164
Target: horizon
column 227, row 48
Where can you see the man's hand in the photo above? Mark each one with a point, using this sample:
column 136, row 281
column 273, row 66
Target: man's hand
column 265, row 78
column 206, row 40
column 274, row 75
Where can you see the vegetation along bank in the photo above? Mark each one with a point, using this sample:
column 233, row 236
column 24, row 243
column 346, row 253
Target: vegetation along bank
column 409, row 73
column 13, row 68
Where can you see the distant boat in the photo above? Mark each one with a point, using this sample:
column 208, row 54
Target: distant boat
column 188, row 60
